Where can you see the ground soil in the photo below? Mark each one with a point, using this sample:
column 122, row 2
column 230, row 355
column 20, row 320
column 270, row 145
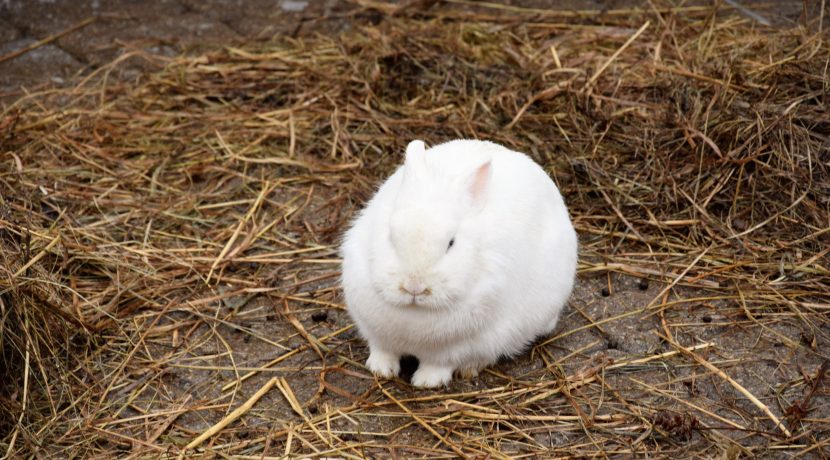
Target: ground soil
column 249, row 332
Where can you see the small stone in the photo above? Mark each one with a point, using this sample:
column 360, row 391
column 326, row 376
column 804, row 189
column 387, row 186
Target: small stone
column 293, row 5
column 739, row 224
column 320, row 316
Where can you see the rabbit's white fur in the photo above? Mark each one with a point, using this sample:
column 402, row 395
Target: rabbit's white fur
column 501, row 282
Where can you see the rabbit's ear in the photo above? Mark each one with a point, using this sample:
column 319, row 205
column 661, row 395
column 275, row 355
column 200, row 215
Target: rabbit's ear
column 415, row 162
column 478, row 184
column 415, row 148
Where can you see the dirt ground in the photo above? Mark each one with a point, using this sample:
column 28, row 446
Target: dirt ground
column 247, row 340
column 208, row 354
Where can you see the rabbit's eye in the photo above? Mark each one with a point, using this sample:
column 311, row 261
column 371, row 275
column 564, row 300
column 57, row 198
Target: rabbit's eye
column 452, row 242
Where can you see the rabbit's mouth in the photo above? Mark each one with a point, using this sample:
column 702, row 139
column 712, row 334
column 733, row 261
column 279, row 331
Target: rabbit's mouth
column 416, row 302
column 420, row 300
column 431, row 301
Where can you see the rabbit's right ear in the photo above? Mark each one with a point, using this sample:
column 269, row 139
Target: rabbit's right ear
column 414, row 164
column 478, row 184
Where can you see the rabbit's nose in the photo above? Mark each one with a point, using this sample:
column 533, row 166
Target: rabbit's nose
column 414, row 288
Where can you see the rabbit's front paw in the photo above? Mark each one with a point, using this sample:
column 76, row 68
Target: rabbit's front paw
column 429, row 376
column 383, row 364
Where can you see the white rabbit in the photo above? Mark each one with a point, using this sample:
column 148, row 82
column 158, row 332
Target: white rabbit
column 465, row 254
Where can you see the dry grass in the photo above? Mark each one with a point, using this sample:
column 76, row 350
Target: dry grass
column 169, row 245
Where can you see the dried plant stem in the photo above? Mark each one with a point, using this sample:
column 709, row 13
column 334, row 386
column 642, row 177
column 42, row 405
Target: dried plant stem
column 617, row 53
column 426, row 425
column 235, row 414
column 38, row 257
column 48, row 39
column 734, row 384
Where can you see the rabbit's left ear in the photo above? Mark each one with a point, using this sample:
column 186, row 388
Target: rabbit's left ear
column 415, row 148
column 479, row 184
column 415, row 162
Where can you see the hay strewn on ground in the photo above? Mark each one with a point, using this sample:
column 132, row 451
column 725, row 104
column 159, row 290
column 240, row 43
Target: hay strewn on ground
column 169, row 245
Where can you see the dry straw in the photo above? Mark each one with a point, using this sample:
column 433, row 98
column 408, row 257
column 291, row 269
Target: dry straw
column 168, row 244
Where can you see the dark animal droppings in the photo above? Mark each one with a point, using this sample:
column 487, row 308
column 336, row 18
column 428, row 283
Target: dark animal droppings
column 320, row 316
column 707, row 319
column 643, row 284
column 605, row 292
